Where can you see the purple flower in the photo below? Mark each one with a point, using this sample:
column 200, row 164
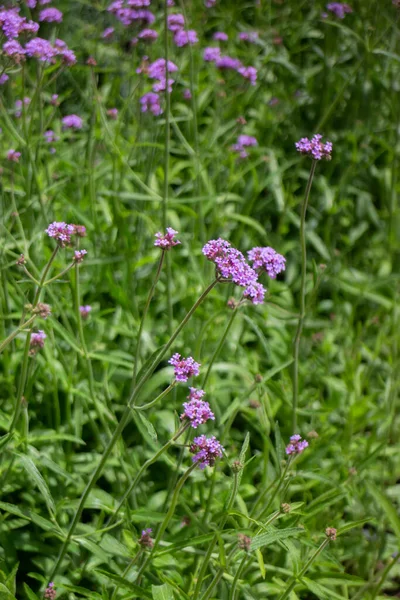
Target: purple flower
column 209, row 3
column 184, row 367
column 206, row 451
column 157, row 69
column 268, row 260
column 315, row 148
column 183, row 38
column 3, row 78
column 50, row 136
column 51, row 15
column 227, row 62
column 145, row 539
column 251, row 36
column 197, row 411
column 61, row 232
column 230, row 263
column 54, row 100
column 148, row 35
column 50, row 593
column 112, row 113
column 72, row 122
column 85, row 311
column 166, row 241
column 176, row 22
column 211, row 54
column 163, row 85
column 151, row 102
column 339, row 9
column 108, row 33
column 12, row 24
column 187, row 94
column 255, row 292
column 220, row 36
column 244, row 141
column 79, row 256
column 249, row 73
column 13, row 155
column 296, row 446
column 31, row 3
column 14, row 49
column 41, row 49
column 37, row 342
column 19, row 104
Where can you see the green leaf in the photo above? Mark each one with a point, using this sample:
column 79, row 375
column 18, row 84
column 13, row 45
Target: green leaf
column 149, row 427
column 5, row 593
column 162, row 592
column 31, row 595
column 353, row 524
column 124, row 583
column 261, row 564
column 82, row 591
column 275, row 535
column 36, row 477
column 387, row 507
column 321, row 591
column 27, row 514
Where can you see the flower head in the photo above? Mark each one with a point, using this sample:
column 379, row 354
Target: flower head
column 211, row 54
column 4, row 78
column 255, row 292
column 331, row 533
column 176, row 22
column 158, row 69
column 51, row 15
column 43, row 310
column 148, row 35
column 268, row 260
column 13, row 155
column 220, row 36
column 36, row 342
column 79, row 256
column 248, row 36
column 112, row 113
column 249, row 73
column 61, row 232
column 243, row 142
column 244, row 542
column 314, row 147
column 50, row 593
column 183, row 37
column 184, row 367
column 197, row 411
column 296, row 445
column 72, row 122
column 151, row 102
column 339, row 9
column 145, row 539
column 227, row 62
column 206, row 451
column 166, row 241
column 85, row 311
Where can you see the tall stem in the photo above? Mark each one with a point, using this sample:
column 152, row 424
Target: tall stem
column 166, row 159
column 219, row 347
column 297, row 339
column 120, row 427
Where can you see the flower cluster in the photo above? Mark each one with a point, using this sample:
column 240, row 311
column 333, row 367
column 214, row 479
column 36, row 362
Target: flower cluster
column 85, row 311
column 145, row 539
column 268, row 260
column 182, row 36
column 62, row 232
column 223, row 62
column 13, row 155
column 331, row 533
column 296, row 446
column 129, row 12
column 51, row 15
column 250, row 36
column 243, row 142
column 315, row 148
column 220, row 36
column 339, row 9
column 79, row 256
column 206, row 451
column 159, row 70
column 244, row 542
column 37, row 342
column 166, row 241
column 50, row 592
column 72, row 122
column 197, row 411
column 184, row 367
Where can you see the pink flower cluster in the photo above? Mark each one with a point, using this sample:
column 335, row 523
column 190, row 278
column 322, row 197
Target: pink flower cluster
column 132, row 11
column 63, row 232
column 243, row 142
column 296, row 445
column 267, row 259
column 51, row 15
column 223, row 62
column 184, row 367
column 315, row 148
column 50, row 592
column 339, row 9
column 37, row 342
column 159, row 70
column 197, row 411
column 206, row 451
column 167, row 240
column 250, row 36
column 182, row 36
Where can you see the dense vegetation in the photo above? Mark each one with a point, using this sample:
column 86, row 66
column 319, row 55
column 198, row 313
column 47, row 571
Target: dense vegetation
column 103, row 494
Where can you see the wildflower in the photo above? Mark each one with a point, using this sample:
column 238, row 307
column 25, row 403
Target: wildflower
column 3, row 78
column 37, row 342
column 251, row 36
column 14, row 50
column 21, row 261
column 148, row 35
column 163, row 85
column 244, row 542
column 339, row 9
column 220, row 36
column 85, row 311
column 211, row 54
column 54, row 100
column 244, row 141
column 227, row 62
column 145, row 539
column 314, row 147
column 31, row 3
column 176, row 22
column 206, row 451
column 61, row 232
column 112, row 113
column 151, row 102
column 43, row 310
column 79, row 230
column 51, row 15
column 237, row 466
column 79, row 256
column 184, row 367
column 19, row 104
column 158, row 70
column 72, row 122
column 107, row 33
column 296, row 446
column 197, row 411
column 241, row 121
column 209, row 3
column 50, row 593
column 91, row 61
column 13, row 155
column 268, row 260
column 41, row 49
column 331, row 533
column 166, row 241
column 183, row 38
column 50, row 136
column 285, row 508
column 187, row 94
column 255, row 292
column 249, row 73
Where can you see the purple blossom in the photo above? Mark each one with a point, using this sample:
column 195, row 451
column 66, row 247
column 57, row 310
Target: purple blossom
column 206, row 451
column 184, row 367
column 112, row 113
column 250, row 36
column 267, row 259
column 187, row 94
column 14, row 49
column 197, row 411
column 211, row 54
column 3, row 78
column 85, row 311
column 176, row 22
column 108, row 33
column 12, row 24
column 220, row 36
column 157, row 69
column 148, row 35
column 230, row 263
column 209, row 3
column 51, row 15
column 61, row 232
column 339, row 9
column 72, row 122
column 54, row 100
column 31, row 3
column 255, row 292
column 163, row 85
column 314, row 147
column 37, row 342
column 129, row 11
column 145, row 539
column 166, row 241
column 79, row 256
column 244, row 141
column 13, row 155
column 151, row 102
column 296, row 445
column 249, row 73
column 183, row 38
column 227, row 62
column 19, row 104
column 50, row 136
column 50, row 592
column 41, row 49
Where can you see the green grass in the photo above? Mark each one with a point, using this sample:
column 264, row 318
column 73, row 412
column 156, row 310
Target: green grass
column 336, row 77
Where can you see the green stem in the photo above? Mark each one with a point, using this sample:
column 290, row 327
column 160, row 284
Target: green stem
column 120, row 427
column 278, row 487
column 159, row 397
column 219, row 347
column 59, row 274
column 383, row 577
column 297, row 339
column 14, row 334
column 146, row 308
column 167, row 134
column 308, row 564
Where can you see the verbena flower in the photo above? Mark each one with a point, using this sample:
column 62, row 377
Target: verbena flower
column 79, row 230
column 72, row 122
column 112, row 113
column 296, row 445
column 244, row 542
column 13, row 155
column 50, row 592
column 41, row 49
column 145, row 539
column 166, row 241
column 19, row 104
column 184, row 367
column 51, row 15
column 50, row 136
column 255, row 292
column 108, row 33
column 339, row 9
column 206, row 451
column 148, row 35
column 61, row 232
column 267, row 259
column 331, row 533
column 14, row 50
column 85, row 311
column 197, row 411
column 243, row 142
column 211, row 54
column 151, row 102
column 3, row 78
column 37, row 342
column 220, row 36
column 209, row 3
column 183, row 37
column 54, row 100
column 249, row 73
column 248, row 36
column 187, row 94
column 176, row 22
column 227, row 62
column 314, row 147
column 43, row 310
column 157, row 69
column 79, row 256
